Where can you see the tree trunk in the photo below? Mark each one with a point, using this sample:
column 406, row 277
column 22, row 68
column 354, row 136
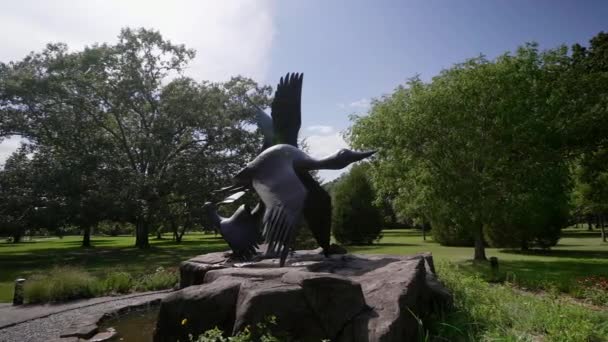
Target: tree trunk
column 86, row 236
column 17, row 237
column 589, row 225
column 159, row 234
column 185, row 227
column 603, row 228
column 141, row 233
column 480, row 248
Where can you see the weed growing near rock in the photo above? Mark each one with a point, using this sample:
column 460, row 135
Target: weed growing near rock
column 69, row 283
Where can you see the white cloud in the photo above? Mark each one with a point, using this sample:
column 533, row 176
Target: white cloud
column 321, row 129
column 320, row 146
column 8, row 146
column 360, row 104
column 231, row 37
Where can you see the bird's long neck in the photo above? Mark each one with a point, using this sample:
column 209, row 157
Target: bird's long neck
column 325, row 163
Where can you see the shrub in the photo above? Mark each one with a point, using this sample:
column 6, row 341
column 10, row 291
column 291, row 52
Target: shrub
column 61, row 284
column 304, row 238
column 159, row 280
column 355, row 219
column 451, row 234
column 118, row 282
column 261, row 332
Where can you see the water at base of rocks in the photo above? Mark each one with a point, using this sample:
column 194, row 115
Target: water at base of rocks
column 137, row 326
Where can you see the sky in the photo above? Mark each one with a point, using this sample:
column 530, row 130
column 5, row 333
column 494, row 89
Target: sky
column 349, row 51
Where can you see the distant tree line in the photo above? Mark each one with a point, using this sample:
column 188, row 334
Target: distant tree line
column 115, row 134
column 504, row 152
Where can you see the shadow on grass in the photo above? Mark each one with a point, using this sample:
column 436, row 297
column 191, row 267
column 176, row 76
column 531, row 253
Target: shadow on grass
column 401, row 233
column 559, row 253
column 536, row 274
column 105, row 258
column 582, row 234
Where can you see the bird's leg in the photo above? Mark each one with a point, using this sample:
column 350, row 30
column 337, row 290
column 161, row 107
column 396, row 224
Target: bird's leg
column 284, row 253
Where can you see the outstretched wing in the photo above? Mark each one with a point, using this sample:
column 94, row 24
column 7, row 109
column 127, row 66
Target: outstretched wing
column 283, row 195
column 286, row 109
column 317, row 210
column 264, row 122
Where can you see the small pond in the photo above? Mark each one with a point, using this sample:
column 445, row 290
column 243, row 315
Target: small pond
column 136, row 326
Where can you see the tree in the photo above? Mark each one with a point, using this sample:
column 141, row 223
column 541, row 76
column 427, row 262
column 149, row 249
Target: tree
column 590, row 195
column 125, row 109
column 355, row 219
column 589, row 100
column 18, row 196
column 458, row 150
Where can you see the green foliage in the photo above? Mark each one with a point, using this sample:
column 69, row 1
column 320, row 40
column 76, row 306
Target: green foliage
column 112, row 228
column 61, row 284
column 119, row 282
column 487, row 312
column 355, row 219
column 124, row 135
column 451, row 234
column 69, row 283
column 304, row 239
column 465, row 149
column 160, row 279
column 40, row 255
column 261, row 332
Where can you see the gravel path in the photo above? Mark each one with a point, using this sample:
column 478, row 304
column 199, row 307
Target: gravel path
column 49, row 328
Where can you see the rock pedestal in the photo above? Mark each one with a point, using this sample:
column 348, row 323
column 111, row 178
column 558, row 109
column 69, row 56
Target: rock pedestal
column 341, row 298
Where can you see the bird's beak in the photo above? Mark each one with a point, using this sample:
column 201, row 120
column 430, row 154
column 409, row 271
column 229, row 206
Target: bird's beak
column 364, row 154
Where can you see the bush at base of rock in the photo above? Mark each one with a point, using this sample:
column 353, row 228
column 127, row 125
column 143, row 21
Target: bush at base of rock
column 261, row 332
column 355, row 219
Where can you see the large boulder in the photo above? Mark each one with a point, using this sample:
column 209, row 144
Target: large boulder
column 340, row 298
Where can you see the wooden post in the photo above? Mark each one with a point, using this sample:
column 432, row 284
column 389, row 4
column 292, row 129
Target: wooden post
column 494, row 268
column 18, row 295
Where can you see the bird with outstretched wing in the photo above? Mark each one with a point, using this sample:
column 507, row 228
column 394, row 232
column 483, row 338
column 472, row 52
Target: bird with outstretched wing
column 286, row 111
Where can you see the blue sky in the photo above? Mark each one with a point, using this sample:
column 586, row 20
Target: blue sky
column 349, row 51
column 353, row 50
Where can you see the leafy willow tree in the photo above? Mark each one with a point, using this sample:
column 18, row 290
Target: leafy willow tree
column 461, row 150
column 127, row 111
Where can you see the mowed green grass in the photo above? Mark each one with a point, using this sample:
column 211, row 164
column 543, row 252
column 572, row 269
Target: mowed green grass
column 578, row 254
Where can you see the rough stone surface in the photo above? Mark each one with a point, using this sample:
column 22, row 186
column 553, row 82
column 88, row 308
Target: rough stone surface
column 198, row 308
column 82, row 329
column 342, row 297
column 103, row 336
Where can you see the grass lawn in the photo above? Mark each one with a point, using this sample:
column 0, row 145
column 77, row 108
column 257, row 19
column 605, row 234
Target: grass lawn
column 578, row 254
column 108, row 254
column 484, row 311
